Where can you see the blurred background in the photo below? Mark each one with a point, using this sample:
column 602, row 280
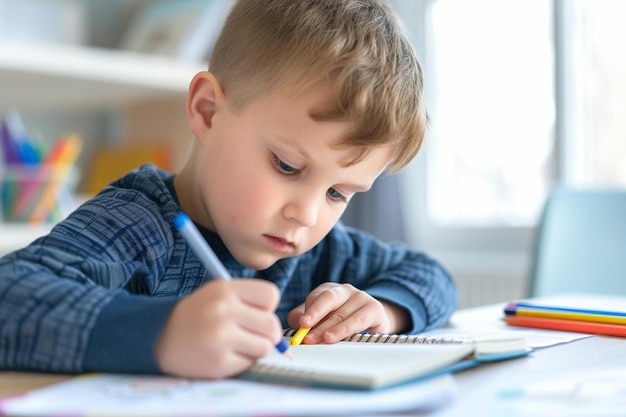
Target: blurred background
column 523, row 96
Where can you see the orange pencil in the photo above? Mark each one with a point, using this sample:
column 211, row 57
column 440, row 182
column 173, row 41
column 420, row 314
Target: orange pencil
column 61, row 160
column 27, row 197
column 567, row 325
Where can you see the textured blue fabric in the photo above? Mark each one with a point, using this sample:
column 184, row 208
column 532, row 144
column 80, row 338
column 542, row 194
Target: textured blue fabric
column 95, row 292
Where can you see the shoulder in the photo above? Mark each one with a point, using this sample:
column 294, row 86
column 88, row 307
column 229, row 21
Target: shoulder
column 344, row 246
column 359, row 252
column 137, row 206
column 143, row 189
column 355, row 241
column 146, row 182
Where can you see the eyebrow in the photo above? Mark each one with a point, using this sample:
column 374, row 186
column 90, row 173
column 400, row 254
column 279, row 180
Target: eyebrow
column 294, row 146
column 291, row 144
column 358, row 188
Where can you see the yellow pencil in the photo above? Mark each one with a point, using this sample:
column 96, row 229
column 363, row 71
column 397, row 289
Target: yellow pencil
column 61, row 160
column 299, row 336
column 63, row 153
column 571, row 315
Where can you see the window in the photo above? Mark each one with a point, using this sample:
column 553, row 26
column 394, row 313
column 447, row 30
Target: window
column 491, row 74
column 489, row 158
column 523, row 95
column 594, row 65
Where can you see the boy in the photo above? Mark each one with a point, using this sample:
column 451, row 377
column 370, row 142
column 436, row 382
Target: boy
column 306, row 103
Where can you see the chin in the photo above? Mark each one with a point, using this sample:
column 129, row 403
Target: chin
column 258, row 263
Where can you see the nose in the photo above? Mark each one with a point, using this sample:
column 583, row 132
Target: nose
column 303, row 209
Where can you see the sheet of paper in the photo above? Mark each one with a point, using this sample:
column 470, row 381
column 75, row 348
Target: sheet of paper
column 487, row 320
column 125, row 395
column 584, row 301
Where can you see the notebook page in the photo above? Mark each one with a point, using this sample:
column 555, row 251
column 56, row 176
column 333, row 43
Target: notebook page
column 359, row 365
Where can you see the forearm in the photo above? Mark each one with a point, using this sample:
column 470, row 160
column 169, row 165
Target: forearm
column 424, row 300
column 42, row 326
column 124, row 336
column 52, row 294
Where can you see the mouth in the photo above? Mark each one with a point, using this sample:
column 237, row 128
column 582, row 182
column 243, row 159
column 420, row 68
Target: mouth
column 279, row 244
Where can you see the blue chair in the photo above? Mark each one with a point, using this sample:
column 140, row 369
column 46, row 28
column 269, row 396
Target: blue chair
column 581, row 243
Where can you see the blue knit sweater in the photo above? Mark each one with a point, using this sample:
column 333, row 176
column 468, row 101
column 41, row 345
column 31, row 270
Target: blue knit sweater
column 94, row 293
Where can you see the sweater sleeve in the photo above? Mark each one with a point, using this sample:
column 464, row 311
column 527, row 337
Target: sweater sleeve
column 77, row 299
column 391, row 272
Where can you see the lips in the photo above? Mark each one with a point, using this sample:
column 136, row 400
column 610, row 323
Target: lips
column 279, row 244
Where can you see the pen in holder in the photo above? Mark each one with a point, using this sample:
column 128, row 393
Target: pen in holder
column 40, row 193
column 35, row 184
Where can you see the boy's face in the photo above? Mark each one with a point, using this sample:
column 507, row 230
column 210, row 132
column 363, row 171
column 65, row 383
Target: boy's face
column 272, row 181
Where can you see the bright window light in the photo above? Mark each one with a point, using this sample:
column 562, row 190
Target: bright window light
column 491, row 73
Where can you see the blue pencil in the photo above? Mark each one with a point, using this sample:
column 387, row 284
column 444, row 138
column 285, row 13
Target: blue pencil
column 183, row 223
column 569, row 309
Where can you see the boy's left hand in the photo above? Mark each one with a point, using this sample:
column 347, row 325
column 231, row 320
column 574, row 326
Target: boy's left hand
column 336, row 311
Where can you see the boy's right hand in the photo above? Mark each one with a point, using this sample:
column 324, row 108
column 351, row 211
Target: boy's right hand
column 220, row 329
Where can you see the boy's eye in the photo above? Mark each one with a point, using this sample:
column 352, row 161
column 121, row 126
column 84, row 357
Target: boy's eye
column 336, row 195
column 283, row 166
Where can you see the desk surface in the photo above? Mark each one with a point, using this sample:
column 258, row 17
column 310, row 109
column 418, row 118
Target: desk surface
column 477, row 386
column 18, row 382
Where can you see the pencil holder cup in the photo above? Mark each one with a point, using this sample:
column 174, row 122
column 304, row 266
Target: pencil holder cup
column 37, row 193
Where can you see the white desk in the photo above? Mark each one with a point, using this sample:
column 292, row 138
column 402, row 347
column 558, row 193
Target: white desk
column 478, row 386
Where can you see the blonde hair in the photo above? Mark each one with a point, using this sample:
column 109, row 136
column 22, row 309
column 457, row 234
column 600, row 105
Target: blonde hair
column 358, row 45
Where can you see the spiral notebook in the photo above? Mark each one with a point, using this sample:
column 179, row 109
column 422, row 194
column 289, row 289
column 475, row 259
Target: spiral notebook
column 374, row 361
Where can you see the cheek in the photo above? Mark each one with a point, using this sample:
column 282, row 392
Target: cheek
column 253, row 198
column 330, row 220
column 326, row 221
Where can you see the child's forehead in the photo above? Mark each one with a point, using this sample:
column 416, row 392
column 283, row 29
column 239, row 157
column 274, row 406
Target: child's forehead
column 315, row 99
column 320, row 94
column 318, row 100
column 340, row 152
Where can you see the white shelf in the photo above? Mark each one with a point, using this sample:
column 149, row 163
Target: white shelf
column 37, row 76
column 15, row 236
column 45, row 76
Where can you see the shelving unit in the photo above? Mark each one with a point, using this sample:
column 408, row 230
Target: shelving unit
column 14, row 236
column 42, row 77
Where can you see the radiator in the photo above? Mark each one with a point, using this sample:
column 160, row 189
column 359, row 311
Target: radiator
column 476, row 290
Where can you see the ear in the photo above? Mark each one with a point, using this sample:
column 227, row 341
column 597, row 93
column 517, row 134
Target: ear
column 204, row 98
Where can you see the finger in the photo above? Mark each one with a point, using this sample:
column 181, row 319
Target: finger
column 253, row 346
column 293, row 318
column 332, row 320
column 315, row 293
column 249, row 344
column 267, row 326
column 360, row 320
column 321, row 302
column 216, row 353
column 360, row 312
column 235, row 355
column 253, row 319
column 258, row 293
